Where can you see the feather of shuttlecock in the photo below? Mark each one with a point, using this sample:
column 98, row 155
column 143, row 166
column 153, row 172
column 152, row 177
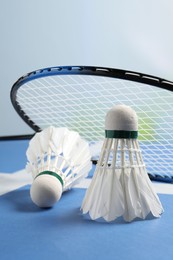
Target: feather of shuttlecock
column 120, row 185
column 57, row 158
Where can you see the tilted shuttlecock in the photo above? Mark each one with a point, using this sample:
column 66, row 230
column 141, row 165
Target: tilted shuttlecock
column 57, row 158
column 120, row 185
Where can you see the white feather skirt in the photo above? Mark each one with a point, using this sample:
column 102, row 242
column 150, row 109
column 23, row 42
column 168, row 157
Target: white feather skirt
column 120, row 185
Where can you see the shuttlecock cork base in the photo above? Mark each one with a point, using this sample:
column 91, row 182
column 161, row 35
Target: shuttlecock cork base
column 120, row 186
column 46, row 189
column 121, row 122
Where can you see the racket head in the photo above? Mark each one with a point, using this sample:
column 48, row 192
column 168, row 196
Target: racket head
column 78, row 97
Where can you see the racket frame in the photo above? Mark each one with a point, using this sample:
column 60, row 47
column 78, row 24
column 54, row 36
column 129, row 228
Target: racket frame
column 82, row 70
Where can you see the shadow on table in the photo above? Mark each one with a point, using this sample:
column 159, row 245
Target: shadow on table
column 66, row 211
column 19, row 200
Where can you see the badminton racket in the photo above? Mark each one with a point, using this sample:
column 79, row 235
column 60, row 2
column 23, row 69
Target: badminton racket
column 78, row 97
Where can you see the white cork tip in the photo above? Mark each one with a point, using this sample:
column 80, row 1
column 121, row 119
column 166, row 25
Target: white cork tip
column 45, row 191
column 121, row 117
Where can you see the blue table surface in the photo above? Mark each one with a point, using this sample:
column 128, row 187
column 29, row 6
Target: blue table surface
column 27, row 232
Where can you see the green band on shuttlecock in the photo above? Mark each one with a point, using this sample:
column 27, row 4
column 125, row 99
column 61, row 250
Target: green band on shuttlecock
column 121, row 134
column 52, row 174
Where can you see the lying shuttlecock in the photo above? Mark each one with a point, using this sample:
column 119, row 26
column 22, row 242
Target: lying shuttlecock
column 120, row 185
column 57, row 158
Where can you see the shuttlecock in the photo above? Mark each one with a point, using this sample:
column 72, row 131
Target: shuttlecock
column 58, row 159
column 120, row 185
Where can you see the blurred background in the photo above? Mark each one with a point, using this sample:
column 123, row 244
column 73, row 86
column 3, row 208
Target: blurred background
column 131, row 35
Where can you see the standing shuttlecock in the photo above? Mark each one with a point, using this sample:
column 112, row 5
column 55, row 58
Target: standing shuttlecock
column 120, row 185
column 57, row 158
